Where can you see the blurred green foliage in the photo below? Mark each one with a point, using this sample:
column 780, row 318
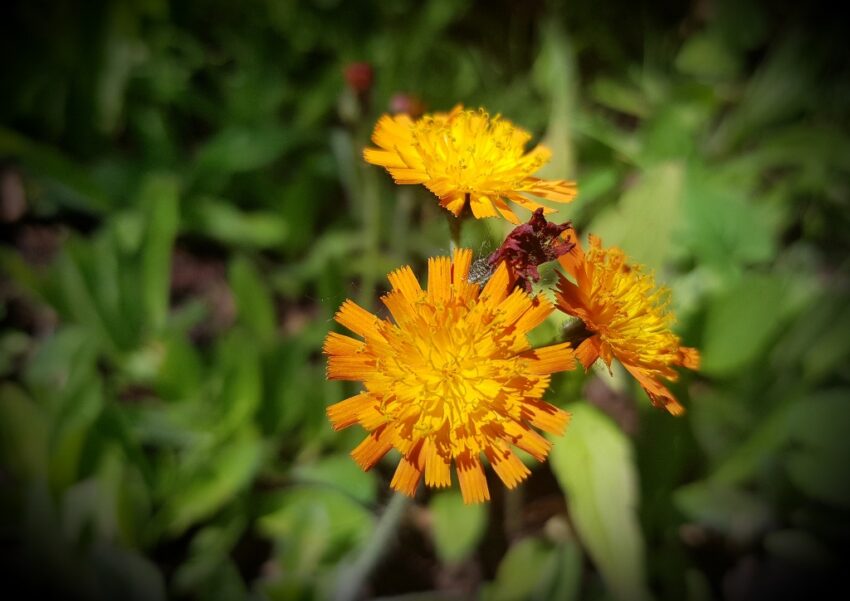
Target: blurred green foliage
column 195, row 209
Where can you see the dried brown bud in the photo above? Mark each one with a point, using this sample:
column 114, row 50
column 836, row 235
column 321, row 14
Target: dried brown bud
column 359, row 77
column 530, row 245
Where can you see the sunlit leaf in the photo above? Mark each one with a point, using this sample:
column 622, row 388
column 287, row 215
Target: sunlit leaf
column 648, row 215
column 341, row 473
column 315, row 521
column 209, row 552
column 158, row 199
column 253, row 300
column 594, row 465
column 520, row 572
column 224, row 222
column 555, row 74
column 214, row 484
column 457, row 528
column 236, row 149
column 722, row 225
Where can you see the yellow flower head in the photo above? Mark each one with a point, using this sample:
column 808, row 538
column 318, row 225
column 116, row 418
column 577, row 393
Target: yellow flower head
column 628, row 318
column 466, row 156
column 453, row 376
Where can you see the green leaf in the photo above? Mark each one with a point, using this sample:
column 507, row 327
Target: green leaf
column 72, row 427
column 179, row 372
column 13, row 345
column 597, row 182
column 341, row 473
column 817, row 465
column 566, row 565
column 627, row 145
column 644, row 222
column 225, row 223
column 739, row 514
column 23, row 434
column 621, row 97
column 832, row 348
column 90, row 507
column 520, row 573
column 253, row 301
column 65, row 361
column 722, row 225
column 671, row 134
column 50, row 163
column 237, row 149
column 708, row 55
column 77, row 297
column 781, row 88
column 555, row 75
column 595, row 467
column 457, row 528
column 819, row 479
column 159, row 200
column 759, row 447
column 199, row 494
column 242, row 391
column 742, row 321
column 717, row 421
column 208, row 553
column 24, row 275
column 822, row 420
column 314, row 522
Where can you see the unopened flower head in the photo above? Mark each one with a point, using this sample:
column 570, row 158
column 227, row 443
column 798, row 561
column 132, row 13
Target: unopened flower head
column 627, row 316
column 452, row 377
column 467, row 157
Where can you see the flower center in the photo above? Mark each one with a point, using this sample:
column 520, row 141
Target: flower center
column 450, row 371
column 474, row 152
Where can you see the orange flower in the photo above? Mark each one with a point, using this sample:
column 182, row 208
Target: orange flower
column 466, row 157
column 627, row 317
column 452, row 377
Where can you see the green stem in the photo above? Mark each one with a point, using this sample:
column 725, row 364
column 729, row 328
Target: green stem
column 513, row 513
column 401, row 221
column 455, row 224
column 352, row 578
column 371, row 203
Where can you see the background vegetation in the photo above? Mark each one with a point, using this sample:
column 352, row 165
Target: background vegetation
column 183, row 208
